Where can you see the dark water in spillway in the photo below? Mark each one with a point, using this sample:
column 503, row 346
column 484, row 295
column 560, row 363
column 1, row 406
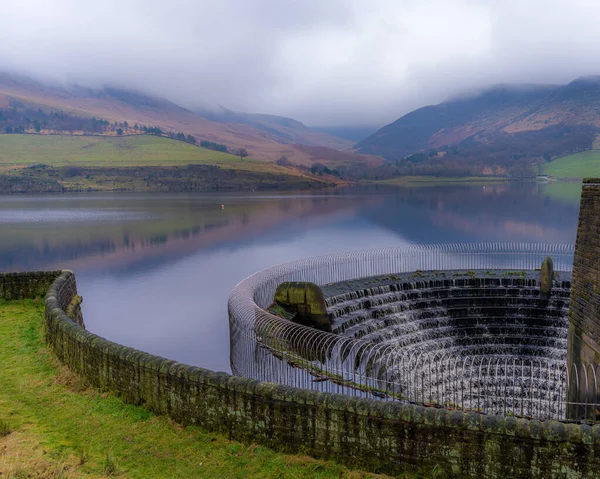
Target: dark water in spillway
column 155, row 270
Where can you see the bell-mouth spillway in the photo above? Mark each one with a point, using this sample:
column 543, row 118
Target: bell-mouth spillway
column 495, row 313
column 454, row 326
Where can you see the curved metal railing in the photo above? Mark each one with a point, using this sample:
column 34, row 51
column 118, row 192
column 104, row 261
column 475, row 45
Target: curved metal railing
column 269, row 348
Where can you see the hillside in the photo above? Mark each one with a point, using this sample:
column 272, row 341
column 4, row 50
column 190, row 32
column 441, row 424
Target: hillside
column 54, row 163
column 265, row 137
column 580, row 165
column 504, row 130
column 286, row 130
column 138, row 150
column 353, row 133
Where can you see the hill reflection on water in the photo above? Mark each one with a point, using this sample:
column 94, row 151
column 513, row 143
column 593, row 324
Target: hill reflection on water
column 191, row 251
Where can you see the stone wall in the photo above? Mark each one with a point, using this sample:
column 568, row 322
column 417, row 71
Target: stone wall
column 380, row 436
column 26, row 285
column 584, row 312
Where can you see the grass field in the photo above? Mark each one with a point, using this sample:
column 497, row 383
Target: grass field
column 53, row 426
column 580, row 165
column 103, row 151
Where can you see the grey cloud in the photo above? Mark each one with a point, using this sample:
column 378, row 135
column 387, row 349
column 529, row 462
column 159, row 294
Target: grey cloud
column 320, row 61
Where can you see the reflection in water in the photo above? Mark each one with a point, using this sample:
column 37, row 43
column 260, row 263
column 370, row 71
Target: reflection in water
column 507, row 212
column 108, row 232
column 155, row 270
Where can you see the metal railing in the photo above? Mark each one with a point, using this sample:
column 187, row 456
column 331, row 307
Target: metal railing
column 269, row 348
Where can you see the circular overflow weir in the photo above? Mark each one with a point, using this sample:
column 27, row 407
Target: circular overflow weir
column 461, row 326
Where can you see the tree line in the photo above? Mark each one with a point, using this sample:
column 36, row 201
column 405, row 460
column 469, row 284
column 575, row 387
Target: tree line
column 19, row 119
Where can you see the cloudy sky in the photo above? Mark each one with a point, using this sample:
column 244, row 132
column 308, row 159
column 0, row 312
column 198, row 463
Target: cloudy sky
column 323, row 62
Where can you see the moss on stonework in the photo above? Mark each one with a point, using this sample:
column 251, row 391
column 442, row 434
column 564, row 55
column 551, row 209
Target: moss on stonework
column 305, row 301
column 546, row 277
column 280, row 311
column 73, row 308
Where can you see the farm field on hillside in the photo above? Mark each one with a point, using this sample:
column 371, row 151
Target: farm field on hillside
column 580, row 165
column 102, row 151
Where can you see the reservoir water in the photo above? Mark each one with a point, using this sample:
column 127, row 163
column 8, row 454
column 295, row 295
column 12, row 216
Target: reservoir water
column 155, row 270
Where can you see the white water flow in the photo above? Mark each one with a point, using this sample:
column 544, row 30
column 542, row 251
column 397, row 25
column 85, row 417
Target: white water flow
column 479, row 335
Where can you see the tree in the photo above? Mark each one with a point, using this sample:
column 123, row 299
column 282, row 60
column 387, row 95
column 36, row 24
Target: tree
column 119, row 131
column 191, row 139
column 243, row 153
column 37, row 126
column 283, row 161
column 211, row 145
column 319, row 169
column 8, row 129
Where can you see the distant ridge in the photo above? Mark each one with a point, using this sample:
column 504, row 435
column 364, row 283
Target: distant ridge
column 354, row 133
column 454, row 120
column 265, row 137
column 287, row 130
column 494, row 131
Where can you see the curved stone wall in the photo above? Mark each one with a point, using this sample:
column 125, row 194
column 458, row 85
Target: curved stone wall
column 380, row 436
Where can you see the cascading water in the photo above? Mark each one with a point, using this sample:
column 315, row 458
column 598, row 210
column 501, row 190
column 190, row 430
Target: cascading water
column 480, row 325
column 456, row 326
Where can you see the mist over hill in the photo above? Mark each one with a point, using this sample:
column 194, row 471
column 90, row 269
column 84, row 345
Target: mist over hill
column 350, row 132
column 265, row 137
column 501, row 130
column 286, row 130
column 505, row 130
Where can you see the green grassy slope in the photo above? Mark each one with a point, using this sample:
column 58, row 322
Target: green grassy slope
column 103, row 151
column 60, row 428
column 580, row 165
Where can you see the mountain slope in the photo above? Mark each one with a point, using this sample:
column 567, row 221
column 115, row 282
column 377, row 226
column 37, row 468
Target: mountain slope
column 286, row 130
column 115, row 104
column 452, row 121
column 53, row 163
column 353, row 133
column 573, row 104
column 501, row 131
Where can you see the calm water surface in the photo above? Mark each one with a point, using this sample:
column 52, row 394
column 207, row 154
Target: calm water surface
column 155, row 270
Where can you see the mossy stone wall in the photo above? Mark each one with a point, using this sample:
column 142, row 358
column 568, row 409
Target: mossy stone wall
column 584, row 313
column 26, row 285
column 376, row 435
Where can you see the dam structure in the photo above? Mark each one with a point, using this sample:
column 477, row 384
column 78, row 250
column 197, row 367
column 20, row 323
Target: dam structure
column 462, row 326
column 476, row 360
column 509, row 329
